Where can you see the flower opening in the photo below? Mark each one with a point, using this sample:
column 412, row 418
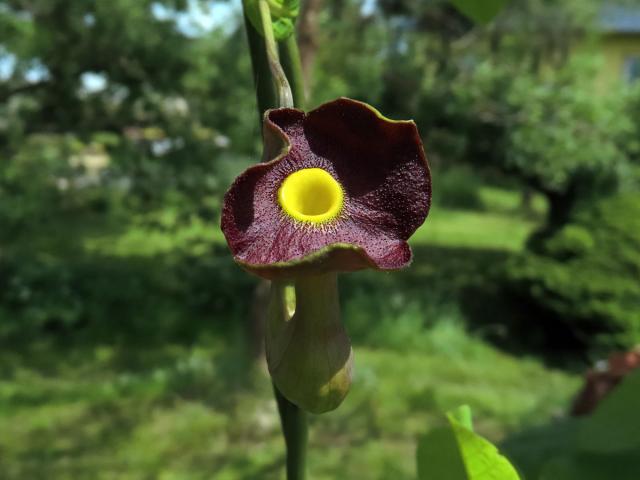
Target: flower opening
column 311, row 195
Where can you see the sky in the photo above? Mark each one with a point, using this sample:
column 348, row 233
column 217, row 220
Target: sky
column 198, row 19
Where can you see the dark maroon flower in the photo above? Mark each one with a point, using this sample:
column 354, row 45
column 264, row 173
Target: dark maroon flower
column 343, row 189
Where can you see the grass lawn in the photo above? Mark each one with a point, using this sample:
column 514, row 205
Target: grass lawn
column 154, row 382
column 499, row 225
column 176, row 411
column 477, row 230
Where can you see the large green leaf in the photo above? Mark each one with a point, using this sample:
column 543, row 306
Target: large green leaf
column 615, row 425
column 454, row 452
column 283, row 16
column 480, row 11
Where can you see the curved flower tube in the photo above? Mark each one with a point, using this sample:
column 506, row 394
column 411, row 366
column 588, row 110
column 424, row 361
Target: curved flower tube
column 342, row 189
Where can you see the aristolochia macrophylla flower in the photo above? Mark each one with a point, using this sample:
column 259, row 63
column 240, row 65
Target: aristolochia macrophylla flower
column 342, row 189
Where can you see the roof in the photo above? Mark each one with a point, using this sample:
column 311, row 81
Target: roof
column 620, row 19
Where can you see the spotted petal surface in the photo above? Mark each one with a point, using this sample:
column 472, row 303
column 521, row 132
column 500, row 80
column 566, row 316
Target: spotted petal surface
column 381, row 167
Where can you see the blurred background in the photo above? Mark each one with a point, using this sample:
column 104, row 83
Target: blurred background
column 128, row 344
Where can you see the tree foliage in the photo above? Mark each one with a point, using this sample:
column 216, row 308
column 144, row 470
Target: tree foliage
column 583, row 285
column 123, row 81
column 507, row 97
column 57, row 42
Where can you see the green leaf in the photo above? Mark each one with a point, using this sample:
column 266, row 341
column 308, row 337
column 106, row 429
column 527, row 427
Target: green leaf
column 454, row 452
column 480, row 11
column 462, row 415
column 283, row 16
column 615, row 425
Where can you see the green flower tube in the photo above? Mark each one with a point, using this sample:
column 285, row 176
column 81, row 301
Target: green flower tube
column 308, row 350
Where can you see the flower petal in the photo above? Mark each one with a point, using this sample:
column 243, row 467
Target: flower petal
column 379, row 163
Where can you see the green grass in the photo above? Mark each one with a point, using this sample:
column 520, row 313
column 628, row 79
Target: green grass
column 499, row 225
column 192, row 412
column 477, row 230
column 496, row 199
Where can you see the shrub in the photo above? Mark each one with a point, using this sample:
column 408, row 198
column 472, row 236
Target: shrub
column 458, row 188
column 585, row 282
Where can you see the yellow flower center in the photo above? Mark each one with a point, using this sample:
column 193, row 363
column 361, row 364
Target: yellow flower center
column 311, row 195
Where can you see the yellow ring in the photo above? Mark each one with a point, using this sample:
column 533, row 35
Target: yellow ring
column 311, row 195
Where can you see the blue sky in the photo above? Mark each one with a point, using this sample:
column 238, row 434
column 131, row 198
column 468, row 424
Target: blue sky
column 199, row 19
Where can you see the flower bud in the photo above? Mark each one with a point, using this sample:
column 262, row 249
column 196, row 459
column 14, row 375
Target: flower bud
column 308, row 351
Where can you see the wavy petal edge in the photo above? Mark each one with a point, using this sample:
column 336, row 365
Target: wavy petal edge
column 339, row 256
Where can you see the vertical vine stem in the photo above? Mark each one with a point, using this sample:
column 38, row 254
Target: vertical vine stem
column 273, row 89
column 290, row 61
column 265, row 91
column 283, row 89
column 294, row 427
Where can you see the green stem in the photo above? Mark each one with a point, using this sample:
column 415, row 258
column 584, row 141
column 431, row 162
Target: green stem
column 285, row 98
column 271, row 91
column 265, row 91
column 290, row 59
column 292, row 418
column 294, row 427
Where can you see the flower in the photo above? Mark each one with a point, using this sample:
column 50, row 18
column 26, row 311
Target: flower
column 343, row 189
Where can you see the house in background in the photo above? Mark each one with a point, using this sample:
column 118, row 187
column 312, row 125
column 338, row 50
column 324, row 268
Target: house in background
column 620, row 44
